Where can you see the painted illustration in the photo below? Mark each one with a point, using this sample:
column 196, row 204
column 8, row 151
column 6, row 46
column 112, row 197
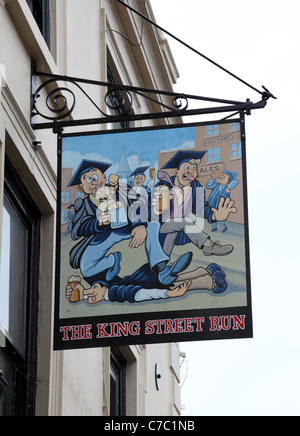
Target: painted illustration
column 188, row 202
column 102, row 220
column 221, row 184
column 139, row 215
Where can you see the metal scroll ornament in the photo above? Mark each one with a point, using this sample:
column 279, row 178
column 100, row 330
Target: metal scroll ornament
column 180, row 102
column 56, row 103
column 119, row 100
column 59, row 102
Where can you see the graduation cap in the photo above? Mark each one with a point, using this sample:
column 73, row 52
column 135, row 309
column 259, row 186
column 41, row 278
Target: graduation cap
column 183, row 156
column 85, row 167
column 231, row 175
column 140, row 170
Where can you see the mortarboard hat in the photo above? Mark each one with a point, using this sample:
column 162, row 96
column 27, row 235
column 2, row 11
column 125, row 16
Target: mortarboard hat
column 140, row 170
column 231, row 175
column 85, row 167
column 183, row 156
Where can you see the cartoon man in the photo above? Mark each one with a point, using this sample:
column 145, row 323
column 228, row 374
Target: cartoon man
column 143, row 286
column 139, row 197
column 92, row 227
column 221, row 185
column 139, row 177
column 187, row 203
column 69, row 216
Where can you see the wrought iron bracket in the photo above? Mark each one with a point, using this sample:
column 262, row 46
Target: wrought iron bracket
column 54, row 101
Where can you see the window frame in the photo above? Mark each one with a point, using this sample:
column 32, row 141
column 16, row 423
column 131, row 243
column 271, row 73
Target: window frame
column 212, row 130
column 40, row 10
column 237, row 149
column 115, row 96
column 233, row 127
column 213, row 155
column 24, row 363
column 118, row 366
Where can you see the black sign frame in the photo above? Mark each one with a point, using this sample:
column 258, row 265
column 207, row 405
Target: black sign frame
column 213, row 323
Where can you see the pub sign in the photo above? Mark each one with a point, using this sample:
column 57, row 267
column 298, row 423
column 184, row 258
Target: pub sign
column 152, row 236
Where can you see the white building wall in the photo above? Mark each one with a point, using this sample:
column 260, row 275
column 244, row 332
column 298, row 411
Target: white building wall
column 73, row 383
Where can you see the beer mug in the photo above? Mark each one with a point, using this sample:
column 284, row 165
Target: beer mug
column 164, row 199
column 73, row 282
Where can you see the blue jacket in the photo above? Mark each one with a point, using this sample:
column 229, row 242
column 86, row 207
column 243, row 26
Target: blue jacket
column 86, row 230
column 218, row 191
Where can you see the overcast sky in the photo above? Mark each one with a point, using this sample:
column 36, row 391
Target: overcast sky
column 257, row 40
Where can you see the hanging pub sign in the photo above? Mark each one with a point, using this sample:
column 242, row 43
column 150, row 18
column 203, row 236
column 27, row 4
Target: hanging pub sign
column 152, row 238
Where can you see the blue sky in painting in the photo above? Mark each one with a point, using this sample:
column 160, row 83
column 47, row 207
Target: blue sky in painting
column 140, row 147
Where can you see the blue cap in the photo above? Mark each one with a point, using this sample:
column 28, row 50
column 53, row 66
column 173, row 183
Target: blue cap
column 183, row 156
column 231, row 175
column 140, row 170
column 85, row 167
